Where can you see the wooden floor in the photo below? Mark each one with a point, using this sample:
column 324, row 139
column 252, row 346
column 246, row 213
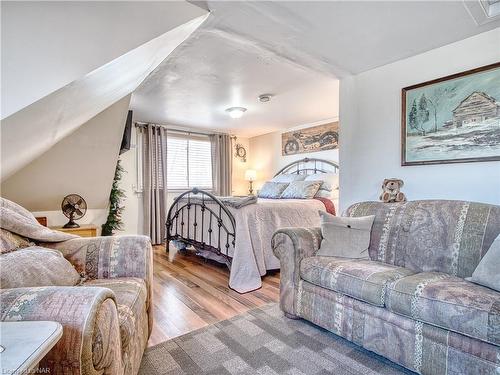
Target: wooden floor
column 190, row 293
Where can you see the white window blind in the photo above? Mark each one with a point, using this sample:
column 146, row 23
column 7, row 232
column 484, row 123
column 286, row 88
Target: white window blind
column 189, row 162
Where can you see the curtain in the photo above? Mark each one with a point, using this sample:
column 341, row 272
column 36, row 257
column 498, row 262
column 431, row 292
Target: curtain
column 154, row 172
column 222, row 164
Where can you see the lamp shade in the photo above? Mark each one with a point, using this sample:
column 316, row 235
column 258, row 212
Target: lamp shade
column 250, row 175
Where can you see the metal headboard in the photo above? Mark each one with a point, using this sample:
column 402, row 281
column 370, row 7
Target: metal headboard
column 309, row 166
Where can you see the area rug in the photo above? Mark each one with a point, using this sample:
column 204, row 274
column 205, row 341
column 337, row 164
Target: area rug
column 263, row 341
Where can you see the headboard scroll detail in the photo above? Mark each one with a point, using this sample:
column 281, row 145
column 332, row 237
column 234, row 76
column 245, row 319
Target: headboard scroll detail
column 309, row 166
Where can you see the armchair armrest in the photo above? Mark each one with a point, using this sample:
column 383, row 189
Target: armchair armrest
column 291, row 245
column 91, row 338
column 109, row 257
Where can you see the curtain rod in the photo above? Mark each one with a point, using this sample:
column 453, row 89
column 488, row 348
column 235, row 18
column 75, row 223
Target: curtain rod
column 144, row 124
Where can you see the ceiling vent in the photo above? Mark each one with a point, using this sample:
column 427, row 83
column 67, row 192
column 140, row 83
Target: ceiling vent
column 483, row 11
column 264, row 98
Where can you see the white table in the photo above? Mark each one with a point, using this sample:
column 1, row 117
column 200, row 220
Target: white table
column 25, row 343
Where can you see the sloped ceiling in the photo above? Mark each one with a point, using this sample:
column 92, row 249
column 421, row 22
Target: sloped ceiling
column 295, row 50
column 82, row 163
column 30, row 132
column 48, row 44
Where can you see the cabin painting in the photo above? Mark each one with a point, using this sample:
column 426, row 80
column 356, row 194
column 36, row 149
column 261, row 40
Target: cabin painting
column 452, row 119
column 476, row 108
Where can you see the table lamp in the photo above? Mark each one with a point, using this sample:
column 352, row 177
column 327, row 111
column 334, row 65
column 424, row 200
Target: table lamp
column 250, row 176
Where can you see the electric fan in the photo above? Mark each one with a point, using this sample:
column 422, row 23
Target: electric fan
column 73, row 207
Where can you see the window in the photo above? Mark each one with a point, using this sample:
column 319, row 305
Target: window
column 189, row 162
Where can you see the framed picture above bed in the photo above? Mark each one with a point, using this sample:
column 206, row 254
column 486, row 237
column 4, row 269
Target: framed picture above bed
column 453, row 119
column 316, row 138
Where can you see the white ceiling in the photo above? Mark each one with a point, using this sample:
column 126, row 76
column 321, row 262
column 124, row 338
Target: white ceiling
column 295, row 50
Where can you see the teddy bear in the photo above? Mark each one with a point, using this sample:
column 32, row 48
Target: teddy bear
column 391, row 191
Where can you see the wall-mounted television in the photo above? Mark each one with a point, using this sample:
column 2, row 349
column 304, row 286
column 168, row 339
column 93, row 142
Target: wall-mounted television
column 127, row 134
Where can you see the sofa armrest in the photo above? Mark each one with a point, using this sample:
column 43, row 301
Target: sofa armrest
column 113, row 256
column 291, row 245
column 90, row 343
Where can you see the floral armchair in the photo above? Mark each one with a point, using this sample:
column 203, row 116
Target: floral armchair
column 106, row 318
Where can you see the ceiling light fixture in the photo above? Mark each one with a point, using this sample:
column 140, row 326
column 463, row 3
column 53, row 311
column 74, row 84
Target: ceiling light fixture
column 236, row 112
column 264, row 98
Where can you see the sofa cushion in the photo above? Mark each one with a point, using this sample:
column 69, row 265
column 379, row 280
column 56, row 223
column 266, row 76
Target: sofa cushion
column 365, row 280
column 36, row 266
column 131, row 294
column 10, row 241
column 24, row 226
column 448, row 302
column 431, row 235
column 17, row 209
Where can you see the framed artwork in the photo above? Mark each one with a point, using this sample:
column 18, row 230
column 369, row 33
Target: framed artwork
column 454, row 119
column 317, row 138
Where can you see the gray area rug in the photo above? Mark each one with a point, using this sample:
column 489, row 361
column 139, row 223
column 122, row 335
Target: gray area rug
column 263, row 341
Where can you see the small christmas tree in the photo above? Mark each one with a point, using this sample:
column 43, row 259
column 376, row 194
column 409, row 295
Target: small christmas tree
column 114, row 221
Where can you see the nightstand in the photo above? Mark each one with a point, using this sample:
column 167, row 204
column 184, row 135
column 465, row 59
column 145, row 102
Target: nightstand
column 85, row 230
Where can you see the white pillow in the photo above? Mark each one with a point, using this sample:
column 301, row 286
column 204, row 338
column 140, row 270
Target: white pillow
column 486, row 272
column 330, row 180
column 287, row 178
column 334, row 194
column 345, row 237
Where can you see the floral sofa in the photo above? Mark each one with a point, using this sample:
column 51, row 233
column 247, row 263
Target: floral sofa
column 409, row 302
column 107, row 318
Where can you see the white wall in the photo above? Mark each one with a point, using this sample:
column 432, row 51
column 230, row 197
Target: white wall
column 81, row 163
column 370, row 110
column 240, row 186
column 266, row 158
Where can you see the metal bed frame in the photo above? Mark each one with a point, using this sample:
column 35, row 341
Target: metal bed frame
column 219, row 218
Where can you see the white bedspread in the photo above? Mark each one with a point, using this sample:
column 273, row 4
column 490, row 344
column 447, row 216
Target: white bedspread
column 255, row 224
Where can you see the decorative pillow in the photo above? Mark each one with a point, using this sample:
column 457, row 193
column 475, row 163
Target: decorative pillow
column 287, row 178
column 486, row 272
column 345, row 237
column 272, row 190
column 17, row 208
column 23, row 226
column 11, row 241
column 301, row 190
column 330, row 181
column 334, row 194
column 36, row 266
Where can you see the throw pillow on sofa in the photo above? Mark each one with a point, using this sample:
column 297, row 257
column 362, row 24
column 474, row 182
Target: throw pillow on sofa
column 345, row 237
column 486, row 272
column 36, row 266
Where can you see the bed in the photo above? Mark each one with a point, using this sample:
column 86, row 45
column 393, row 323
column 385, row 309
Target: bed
column 238, row 231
